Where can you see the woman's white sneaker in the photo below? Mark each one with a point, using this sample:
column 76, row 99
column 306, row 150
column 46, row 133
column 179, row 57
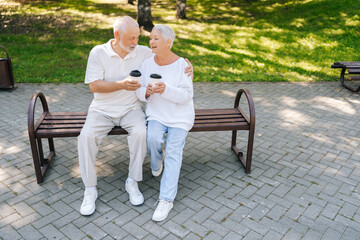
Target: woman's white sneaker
column 158, row 172
column 162, row 210
column 88, row 204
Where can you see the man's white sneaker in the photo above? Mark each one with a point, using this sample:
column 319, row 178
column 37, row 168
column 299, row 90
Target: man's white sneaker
column 88, row 204
column 162, row 210
column 158, row 172
column 135, row 196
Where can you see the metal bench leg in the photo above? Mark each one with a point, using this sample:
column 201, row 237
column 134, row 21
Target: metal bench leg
column 41, row 152
column 342, row 80
column 36, row 159
column 52, row 153
column 45, row 162
column 246, row 164
column 41, row 164
column 250, row 148
column 51, row 145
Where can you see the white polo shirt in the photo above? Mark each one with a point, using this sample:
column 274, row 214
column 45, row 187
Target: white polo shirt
column 105, row 64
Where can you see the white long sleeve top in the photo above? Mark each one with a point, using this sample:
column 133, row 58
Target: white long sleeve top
column 175, row 106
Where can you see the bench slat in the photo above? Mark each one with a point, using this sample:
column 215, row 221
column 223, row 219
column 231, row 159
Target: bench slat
column 220, row 121
column 348, row 64
column 71, row 132
column 60, row 126
column 69, row 124
column 202, row 112
column 63, row 121
column 56, row 133
column 216, row 116
column 64, row 117
column 220, row 127
column 68, row 114
column 354, row 71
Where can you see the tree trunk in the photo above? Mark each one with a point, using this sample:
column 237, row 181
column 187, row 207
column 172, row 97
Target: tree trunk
column 181, row 9
column 144, row 14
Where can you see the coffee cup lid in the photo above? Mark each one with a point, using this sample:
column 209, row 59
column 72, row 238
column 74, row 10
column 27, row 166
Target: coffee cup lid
column 135, row 73
column 156, row 76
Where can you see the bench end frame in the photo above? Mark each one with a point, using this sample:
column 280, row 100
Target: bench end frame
column 41, row 164
column 246, row 163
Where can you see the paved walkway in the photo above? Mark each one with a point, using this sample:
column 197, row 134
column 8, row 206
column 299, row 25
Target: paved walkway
column 304, row 182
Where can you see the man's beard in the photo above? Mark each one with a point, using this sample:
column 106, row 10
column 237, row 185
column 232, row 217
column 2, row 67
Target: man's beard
column 127, row 49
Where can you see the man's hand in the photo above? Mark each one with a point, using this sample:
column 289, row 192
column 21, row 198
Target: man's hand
column 189, row 69
column 159, row 87
column 129, row 85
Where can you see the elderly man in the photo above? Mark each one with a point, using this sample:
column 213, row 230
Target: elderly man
column 114, row 104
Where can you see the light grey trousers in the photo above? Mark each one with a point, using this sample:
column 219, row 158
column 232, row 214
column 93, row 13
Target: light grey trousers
column 96, row 127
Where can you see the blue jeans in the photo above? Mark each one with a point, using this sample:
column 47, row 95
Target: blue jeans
column 175, row 142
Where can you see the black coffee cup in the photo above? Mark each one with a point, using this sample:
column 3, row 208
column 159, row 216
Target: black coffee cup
column 155, row 78
column 135, row 75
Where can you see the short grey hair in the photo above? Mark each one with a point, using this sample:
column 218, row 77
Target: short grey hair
column 166, row 31
column 123, row 23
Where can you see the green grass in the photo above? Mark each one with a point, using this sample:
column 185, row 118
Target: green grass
column 244, row 40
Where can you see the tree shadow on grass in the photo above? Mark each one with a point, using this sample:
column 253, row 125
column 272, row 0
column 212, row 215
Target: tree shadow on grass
column 312, row 34
column 85, row 6
column 253, row 66
column 37, row 23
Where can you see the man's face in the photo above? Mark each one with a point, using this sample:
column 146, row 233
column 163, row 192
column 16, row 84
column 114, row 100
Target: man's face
column 129, row 39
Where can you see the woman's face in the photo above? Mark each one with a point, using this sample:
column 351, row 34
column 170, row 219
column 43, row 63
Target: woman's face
column 157, row 42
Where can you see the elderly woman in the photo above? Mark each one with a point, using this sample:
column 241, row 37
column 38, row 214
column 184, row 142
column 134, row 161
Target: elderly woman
column 169, row 109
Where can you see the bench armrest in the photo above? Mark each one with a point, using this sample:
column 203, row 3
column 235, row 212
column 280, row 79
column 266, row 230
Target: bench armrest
column 31, row 112
column 250, row 103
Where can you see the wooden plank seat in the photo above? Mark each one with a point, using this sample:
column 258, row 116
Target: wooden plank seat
column 52, row 125
column 353, row 74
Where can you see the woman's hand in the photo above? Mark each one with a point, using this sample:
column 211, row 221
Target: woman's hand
column 159, row 87
column 149, row 90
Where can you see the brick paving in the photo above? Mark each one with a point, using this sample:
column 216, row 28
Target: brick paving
column 304, row 182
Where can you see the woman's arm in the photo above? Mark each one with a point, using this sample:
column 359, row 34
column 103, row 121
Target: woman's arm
column 181, row 94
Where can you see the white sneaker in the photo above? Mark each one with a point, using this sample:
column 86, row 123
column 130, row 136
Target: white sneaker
column 162, row 210
column 135, row 196
column 158, row 172
column 88, row 204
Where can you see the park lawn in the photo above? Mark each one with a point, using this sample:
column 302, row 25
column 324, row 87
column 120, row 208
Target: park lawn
column 258, row 40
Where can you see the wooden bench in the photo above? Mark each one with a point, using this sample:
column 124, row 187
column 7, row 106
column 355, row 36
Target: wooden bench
column 52, row 125
column 353, row 74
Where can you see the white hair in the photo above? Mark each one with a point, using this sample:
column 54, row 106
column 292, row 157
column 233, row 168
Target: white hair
column 123, row 23
column 166, row 31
